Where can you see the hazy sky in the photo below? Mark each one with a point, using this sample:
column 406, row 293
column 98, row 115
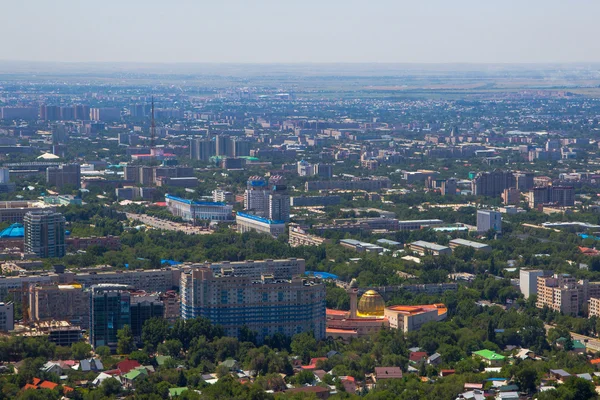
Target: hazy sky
column 289, row 31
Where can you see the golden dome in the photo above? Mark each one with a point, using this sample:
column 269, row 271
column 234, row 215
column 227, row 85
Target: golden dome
column 370, row 305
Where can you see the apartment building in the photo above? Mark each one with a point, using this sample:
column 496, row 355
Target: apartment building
column 299, row 237
column 266, row 306
column 280, row 269
column 565, row 294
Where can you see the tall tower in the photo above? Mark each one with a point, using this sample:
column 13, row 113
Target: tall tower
column 353, row 293
column 156, row 152
column 152, row 127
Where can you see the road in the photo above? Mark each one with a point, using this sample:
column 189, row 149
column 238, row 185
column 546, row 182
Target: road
column 167, row 225
column 590, row 342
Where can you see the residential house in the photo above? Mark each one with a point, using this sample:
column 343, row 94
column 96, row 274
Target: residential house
column 319, row 392
column 417, row 357
column 434, row 359
column 93, row 364
column 387, row 373
column 559, row 374
column 490, row 357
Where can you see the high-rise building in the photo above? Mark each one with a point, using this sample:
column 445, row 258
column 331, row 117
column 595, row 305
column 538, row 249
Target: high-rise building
column 493, row 183
column 44, row 233
column 562, row 196
column 202, row 149
column 448, row 187
column 144, row 306
column 487, row 219
column 528, row 281
column 525, row 181
column 4, row 175
column 105, row 114
column 82, row 112
column 67, row 113
column 49, row 113
column 511, row 196
column 7, row 317
column 565, row 294
column 266, row 306
column 279, row 203
column 110, row 310
column 240, row 147
column 256, row 196
column 223, row 146
column 305, row 168
column 60, row 302
column 63, row 175
column 323, row 170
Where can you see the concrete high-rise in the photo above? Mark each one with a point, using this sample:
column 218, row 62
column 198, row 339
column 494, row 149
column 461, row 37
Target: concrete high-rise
column 64, row 175
column 266, row 306
column 256, row 196
column 202, row 149
column 279, row 203
column 44, row 233
column 487, row 219
column 528, row 281
column 493, row 183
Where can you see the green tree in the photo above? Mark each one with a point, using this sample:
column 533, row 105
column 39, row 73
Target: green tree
column 125, row 344
column 81, row 350
column 103, row 351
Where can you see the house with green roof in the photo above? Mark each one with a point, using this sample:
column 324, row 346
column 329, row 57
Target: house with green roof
column 130, row 377
column 490, row 357
column 176, row 392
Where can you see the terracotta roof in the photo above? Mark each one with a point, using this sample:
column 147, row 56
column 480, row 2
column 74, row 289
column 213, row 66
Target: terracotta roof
column 595, row 361
column 29, row 386
column 417, row 356
column 47, row 385
column 388, row 372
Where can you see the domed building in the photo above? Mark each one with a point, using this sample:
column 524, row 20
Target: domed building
column 369, row 315
column 366, row 316
column 371, row 305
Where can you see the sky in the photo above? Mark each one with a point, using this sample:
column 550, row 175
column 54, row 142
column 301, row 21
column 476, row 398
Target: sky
column 301, row 31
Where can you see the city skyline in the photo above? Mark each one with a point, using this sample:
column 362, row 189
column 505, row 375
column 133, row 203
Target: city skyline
column 266, row 31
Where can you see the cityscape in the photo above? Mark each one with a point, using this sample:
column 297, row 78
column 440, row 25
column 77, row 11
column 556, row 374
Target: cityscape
column 317, row 228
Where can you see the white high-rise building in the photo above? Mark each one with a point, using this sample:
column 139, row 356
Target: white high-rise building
column 487, row 219
column 528, row 281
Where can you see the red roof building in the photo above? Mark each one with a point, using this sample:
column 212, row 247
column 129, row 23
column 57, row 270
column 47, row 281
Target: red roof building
column 127, row 365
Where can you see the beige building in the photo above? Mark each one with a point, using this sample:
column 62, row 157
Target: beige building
column 59, row 302
column 565, row 294
column 412, row 318
column 298, row 237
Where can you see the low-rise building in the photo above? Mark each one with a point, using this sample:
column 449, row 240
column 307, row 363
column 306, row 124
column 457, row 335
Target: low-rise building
column 191, row 210
column 411, row 318
column 299, row 237
column 248, row 222
column 454, row 243
column 422, row 247
column 491, row 358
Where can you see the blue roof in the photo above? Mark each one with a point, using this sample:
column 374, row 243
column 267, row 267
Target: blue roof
column 195, row 202
column 257, row 183
column 170, row 262
column 13, row 231
column 322, row 275
column 261, row 219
